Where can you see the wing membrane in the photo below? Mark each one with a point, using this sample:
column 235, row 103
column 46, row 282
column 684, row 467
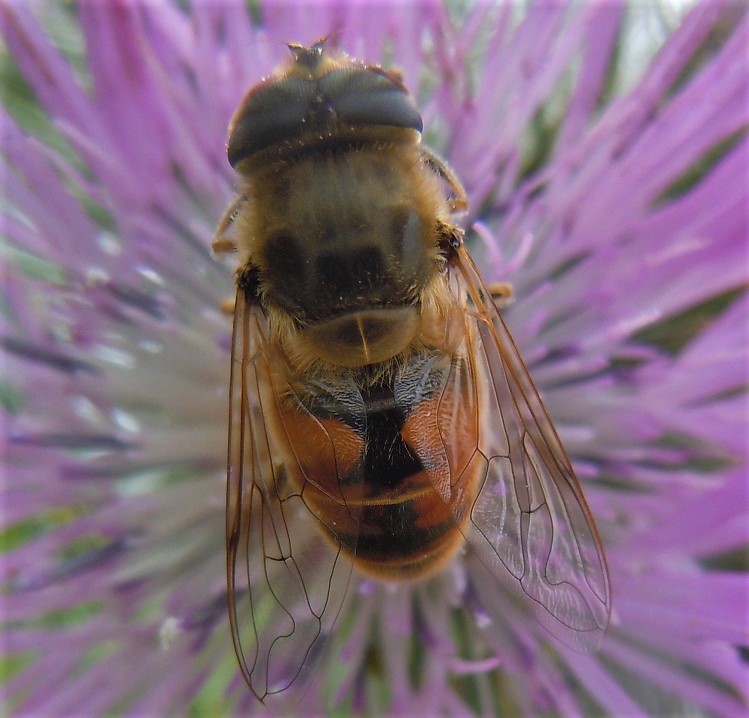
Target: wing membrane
column 286, row 577
column 529, row 524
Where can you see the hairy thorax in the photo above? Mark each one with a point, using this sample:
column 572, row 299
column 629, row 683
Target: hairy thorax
column 344, row 241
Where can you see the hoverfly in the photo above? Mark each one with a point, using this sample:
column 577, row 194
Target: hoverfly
column 380, row 414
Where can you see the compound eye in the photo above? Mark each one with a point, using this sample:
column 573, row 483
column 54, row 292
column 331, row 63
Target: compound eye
column 282, row 110
column 370, row 97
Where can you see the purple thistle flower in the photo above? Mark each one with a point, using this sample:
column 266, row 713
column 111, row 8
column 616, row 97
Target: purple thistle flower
column 620, row 220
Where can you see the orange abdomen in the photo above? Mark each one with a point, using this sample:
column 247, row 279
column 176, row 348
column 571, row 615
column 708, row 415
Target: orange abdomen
column 374, row 494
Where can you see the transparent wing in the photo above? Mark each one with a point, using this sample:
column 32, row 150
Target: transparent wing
column 287, row 570
column 529, row 523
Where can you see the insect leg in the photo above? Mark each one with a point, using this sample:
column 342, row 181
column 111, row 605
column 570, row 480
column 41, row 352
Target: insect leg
column 459, row 200
column 224, row 241
column 502, row 294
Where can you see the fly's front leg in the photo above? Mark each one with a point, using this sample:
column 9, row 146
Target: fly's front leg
column 225, row 238
column 502, row 294
column 459, row 200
